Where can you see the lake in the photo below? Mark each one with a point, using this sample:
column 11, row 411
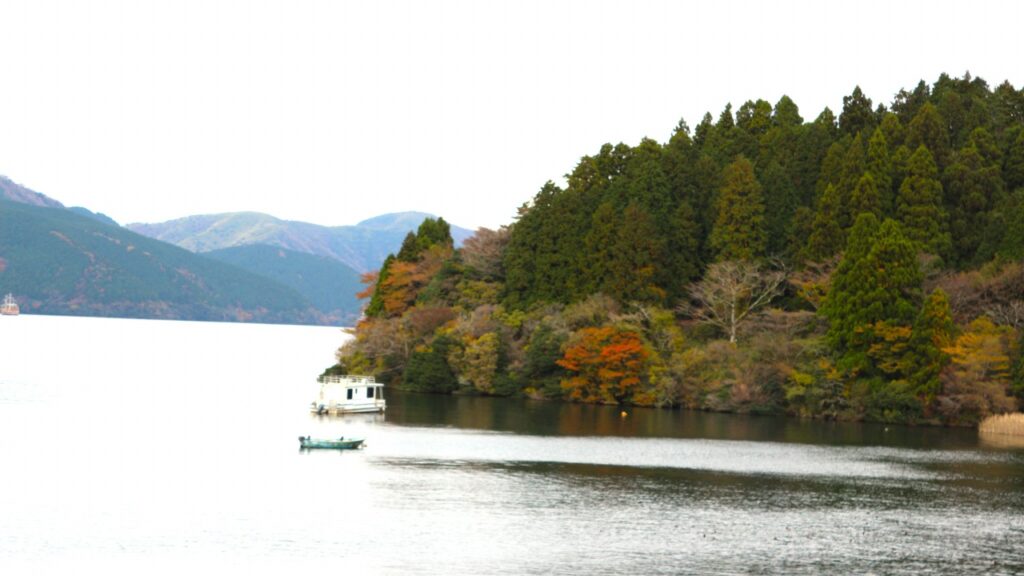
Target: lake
column 138, row 446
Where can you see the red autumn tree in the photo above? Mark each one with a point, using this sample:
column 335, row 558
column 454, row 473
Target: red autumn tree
column 607, row 364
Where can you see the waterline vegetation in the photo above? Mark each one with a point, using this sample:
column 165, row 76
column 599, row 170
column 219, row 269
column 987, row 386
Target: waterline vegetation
column 865, row 267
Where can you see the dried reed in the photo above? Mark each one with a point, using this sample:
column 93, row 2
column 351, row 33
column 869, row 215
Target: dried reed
column 1005, row 424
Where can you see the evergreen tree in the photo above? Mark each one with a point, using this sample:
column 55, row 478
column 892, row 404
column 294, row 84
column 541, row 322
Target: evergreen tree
column 908, row 104
column 879, row 165
column 739, row 231
column 972, row 189
column 847, row 286
column 780, row 202
column 1014, row 170
column 636, row 258
column 928, row 129
column 892, row 129
column 919, row 205
column 866, row 197
column 648, row 185
column 857, row 114
column 831, row 167
column 683, row 257
column 755, row 118
column 600, row 246
column 409, row 251
column 933, row 332
column 786, row 113
column 853, row 167
column 376, row 306
column 827, row 236
column 872, row 291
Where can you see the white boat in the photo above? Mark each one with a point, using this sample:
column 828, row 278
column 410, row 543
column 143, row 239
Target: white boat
column 9, row 307
column 348, row 394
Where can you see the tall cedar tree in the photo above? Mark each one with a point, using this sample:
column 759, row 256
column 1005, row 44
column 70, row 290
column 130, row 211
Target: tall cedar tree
column 973, row 187
column 933, row 332
column 826, row 239
column 739, row 231
column 1014, row 170
column 857, row 114
column 636, row 256
column 877, row 280
column 929, row 130
column 879, row 166
column 919, row 206
column 866, row 197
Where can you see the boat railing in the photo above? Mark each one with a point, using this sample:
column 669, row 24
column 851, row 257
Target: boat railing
column 331, row 379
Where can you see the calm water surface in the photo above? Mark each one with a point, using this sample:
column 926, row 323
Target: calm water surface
column 150, row 446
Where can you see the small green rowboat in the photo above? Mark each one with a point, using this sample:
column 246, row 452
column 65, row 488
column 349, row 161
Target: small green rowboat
column 341, row 443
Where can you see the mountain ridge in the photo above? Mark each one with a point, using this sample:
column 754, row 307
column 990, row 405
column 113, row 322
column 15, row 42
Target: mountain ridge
column 362, row 246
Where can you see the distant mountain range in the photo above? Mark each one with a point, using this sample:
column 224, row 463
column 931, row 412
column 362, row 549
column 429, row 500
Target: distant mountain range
column 329, row 285
column 242, row 266
column 58, row 262
column 362, row 247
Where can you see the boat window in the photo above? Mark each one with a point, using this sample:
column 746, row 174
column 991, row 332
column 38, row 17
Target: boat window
column 369, row 392
column 349, row 391
column 380, row 392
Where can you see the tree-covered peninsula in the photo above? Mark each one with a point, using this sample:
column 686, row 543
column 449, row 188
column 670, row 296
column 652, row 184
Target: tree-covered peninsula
column 866, row 266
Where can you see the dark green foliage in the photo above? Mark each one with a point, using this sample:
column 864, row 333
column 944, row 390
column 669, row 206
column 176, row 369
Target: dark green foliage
column 683, row 254
column 409, row 251
column 781, row 201
column 739, row 231
column 428, row 370
column 376, row 306
column 540, row 371
column 1014, row 169
column 635, row 259
column 826, row 236
column 892, row 130
column 857, row 115
column 755, row 118
column 972, row 188
column 928, row 129
column 600, row 245
column 58, row 262
column 786, row 113
column 866, row 197
column 879, row 166
column 908, row 104
column 1004, row 236
column 919, row 205
column 878, row 280
column 932, row 332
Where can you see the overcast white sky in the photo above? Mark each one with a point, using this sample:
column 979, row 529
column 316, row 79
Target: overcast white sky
column 331, row 111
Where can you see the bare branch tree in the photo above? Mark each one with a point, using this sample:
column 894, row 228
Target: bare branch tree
column 1007, row 314
column 732, row 292
column 484, row 251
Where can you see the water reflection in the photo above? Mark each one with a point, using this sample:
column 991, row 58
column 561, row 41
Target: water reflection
column 557, row 418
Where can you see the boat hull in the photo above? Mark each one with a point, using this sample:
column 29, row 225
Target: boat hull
column 308, row 443
column 348, row 408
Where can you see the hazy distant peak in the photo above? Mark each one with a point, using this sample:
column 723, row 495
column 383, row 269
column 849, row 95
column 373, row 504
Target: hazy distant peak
column 404, row 220
column 15, row 192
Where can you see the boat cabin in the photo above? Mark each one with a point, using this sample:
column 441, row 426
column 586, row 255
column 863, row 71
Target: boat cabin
column 345, row 394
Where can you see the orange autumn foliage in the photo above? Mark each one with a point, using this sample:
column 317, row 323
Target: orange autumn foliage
column 607, row 362
column 370, row 280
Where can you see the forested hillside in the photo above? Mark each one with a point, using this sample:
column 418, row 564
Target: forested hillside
column 56, row 261
column 327, row 284
column 865, row 265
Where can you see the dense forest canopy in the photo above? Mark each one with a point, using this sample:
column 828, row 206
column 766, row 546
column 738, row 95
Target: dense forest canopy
column 865, row 265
